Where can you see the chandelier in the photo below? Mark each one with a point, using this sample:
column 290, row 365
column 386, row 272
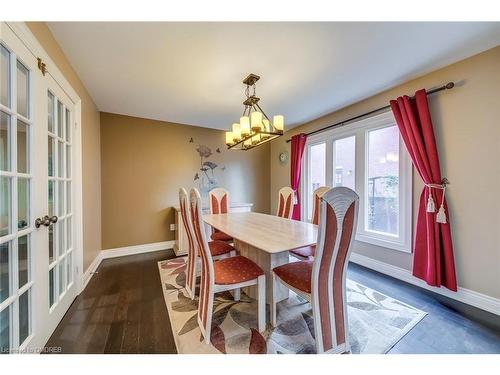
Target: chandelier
column 254, row 128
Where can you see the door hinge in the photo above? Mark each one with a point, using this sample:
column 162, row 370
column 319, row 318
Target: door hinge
column 42, row 66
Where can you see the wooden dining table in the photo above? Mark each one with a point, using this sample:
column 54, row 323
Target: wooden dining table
column 265, row 239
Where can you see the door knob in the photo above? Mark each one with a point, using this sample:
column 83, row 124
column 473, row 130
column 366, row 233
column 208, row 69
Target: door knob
column 46, row 220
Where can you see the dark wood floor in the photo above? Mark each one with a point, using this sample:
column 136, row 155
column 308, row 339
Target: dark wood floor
column 122, row 311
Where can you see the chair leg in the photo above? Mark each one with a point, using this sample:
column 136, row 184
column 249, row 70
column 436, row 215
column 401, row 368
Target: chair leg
column 208, row 327
column 192, row 292
column 261, row 285
column 273, row 301
column 237, row 294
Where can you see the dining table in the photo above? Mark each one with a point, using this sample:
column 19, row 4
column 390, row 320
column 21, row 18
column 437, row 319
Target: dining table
column 266, row 240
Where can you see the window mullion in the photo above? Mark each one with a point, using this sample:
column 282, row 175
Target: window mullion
column 330, row 162
column 360, row 175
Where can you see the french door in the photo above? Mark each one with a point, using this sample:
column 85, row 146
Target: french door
column 37, row 259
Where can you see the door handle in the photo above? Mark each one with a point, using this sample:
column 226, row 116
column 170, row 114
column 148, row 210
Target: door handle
column 46, row 220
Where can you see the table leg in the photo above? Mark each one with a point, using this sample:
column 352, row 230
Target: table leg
column 267, row 262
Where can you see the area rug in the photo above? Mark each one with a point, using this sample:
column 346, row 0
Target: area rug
column 376, row 322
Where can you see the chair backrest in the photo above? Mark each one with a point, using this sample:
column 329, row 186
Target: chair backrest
column 317, row 194
column 285, row 202
column 207, row 268
column 338, row 220
column 219, row 201
column 188, row 228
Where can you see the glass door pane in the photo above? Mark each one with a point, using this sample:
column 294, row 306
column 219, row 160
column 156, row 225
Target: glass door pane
column 23, row 152
column 23, row 90
column 5, row 76
column 5, row 271
column 5, row 330
column 4, row 141
column 5, row 205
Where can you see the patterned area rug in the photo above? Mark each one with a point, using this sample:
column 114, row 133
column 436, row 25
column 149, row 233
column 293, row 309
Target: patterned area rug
column 376, row 322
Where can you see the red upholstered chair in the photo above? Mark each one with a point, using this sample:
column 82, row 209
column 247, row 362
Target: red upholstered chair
column 305, row 253
column 322, row 281
column 218, row 199
column 226, row 274
column 218, row 249
column 285, row 202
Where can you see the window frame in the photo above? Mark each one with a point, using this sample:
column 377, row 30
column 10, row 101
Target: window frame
column 360, row 129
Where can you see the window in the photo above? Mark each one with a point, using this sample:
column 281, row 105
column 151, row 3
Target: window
column 368, row 157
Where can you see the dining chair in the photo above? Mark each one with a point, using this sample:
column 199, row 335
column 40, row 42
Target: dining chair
column 218, row 249
column 322, row 281
column 307, row 252
column 225, row 274
column 285, row 207
column 218, row 199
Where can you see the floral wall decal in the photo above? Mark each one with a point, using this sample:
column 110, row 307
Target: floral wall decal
column 206, row 174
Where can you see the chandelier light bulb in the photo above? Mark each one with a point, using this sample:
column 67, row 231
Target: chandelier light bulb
column 256, row 121
column 229, row 138
column 245, row 126
column 236, row 132
column 278, row 122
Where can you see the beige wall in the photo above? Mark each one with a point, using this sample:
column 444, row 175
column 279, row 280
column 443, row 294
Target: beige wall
column 91, row 155
column 467, row 127
column 144, row 162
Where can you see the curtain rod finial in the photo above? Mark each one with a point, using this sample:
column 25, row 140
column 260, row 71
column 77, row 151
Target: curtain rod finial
column 450, row 85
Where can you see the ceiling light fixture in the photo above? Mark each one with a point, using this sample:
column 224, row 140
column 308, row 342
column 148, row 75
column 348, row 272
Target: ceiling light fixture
column 254, row 128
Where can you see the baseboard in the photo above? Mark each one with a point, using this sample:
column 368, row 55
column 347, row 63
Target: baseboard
column 137, row 249
column 87, row 275
column 121, row 252
column 467, row 296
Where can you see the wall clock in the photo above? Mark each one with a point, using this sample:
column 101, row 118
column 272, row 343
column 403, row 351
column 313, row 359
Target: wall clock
column 283, row 157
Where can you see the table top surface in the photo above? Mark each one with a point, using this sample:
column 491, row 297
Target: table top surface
column 269, row 233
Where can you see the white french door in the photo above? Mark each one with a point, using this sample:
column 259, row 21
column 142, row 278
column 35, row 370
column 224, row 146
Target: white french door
column 37, row 260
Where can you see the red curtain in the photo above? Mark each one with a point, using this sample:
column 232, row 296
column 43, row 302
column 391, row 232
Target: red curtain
column 298, row 144
column 433, row 250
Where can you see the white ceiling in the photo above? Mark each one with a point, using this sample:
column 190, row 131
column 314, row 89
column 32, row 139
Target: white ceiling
column 191, row 73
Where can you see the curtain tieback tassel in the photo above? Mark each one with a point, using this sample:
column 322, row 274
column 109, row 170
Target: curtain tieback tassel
column 431, row 206
column 441, row 215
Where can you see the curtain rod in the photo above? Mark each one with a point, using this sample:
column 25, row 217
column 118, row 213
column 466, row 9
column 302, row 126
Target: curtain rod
column 448, row 86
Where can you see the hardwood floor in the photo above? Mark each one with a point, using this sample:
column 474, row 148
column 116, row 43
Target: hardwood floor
column 122, row 311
